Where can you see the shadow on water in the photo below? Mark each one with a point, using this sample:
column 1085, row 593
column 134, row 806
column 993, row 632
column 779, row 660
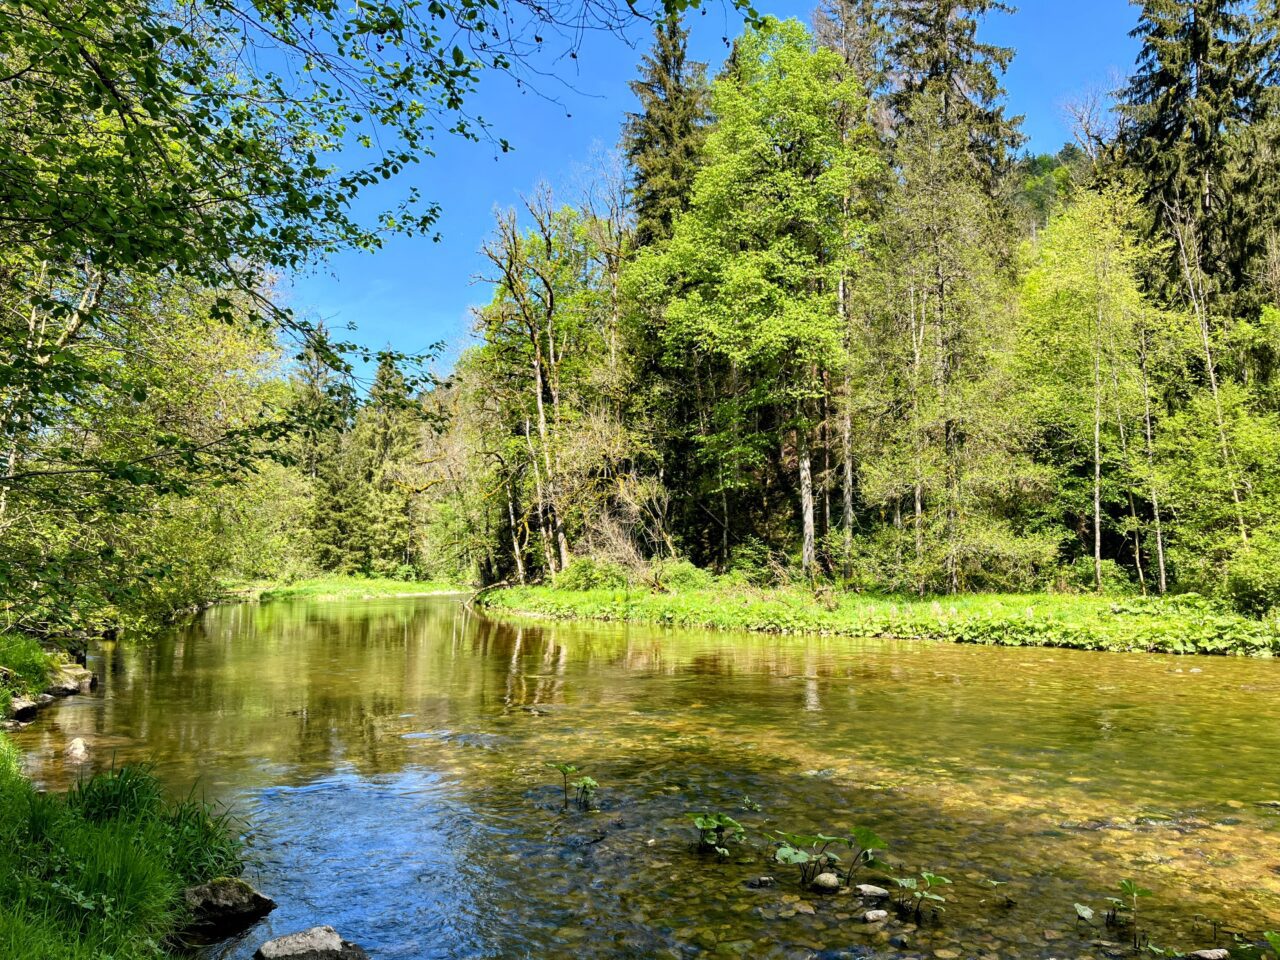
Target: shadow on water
column 390, row 758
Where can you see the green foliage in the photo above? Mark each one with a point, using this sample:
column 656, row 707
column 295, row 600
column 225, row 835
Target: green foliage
column 1252, row 574
column 663, row 141
column 1182, row 624
column 917, row 894
column 25, row 668
column 99, row 872
column 584, row 573
column 679, row 575
column 1273, row 941
column 716, row 831
column 585, row 791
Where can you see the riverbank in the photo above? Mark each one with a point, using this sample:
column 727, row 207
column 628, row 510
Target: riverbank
column 343, row 588
column 101, row 870
column 1182, row 625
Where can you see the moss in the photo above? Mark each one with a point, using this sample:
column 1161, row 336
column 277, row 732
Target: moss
column 1185, row 624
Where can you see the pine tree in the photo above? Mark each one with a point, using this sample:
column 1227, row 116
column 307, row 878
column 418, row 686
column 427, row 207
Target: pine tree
column 1202, row 77
column 662, row 141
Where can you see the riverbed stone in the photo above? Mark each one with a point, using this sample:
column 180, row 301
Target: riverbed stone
column 869, row 891
column 70, row 679
column 77, row 751
column 1213, row 953
column 875, row 916
column 318, row 943
column 827, row 882
column 226, row 904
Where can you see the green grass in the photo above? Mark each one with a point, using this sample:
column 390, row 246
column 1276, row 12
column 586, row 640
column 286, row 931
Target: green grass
column 99, row 872
column 25, row 668
column 1185, row 624
column 346, row 588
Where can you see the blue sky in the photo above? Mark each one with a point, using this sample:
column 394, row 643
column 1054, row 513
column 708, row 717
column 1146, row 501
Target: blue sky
column 415, row 292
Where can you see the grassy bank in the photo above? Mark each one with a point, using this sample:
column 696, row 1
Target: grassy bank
column 1171, row 625
column 99, row 872
column 25, row 669
column 344, row 588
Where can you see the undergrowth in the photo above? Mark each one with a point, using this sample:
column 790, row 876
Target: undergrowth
column 99, row 872
column 25, row 668
column 1182, row 624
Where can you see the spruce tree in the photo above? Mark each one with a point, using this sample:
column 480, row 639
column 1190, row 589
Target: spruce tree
column 933, row 50
column 1202, row 78
column 663, row 139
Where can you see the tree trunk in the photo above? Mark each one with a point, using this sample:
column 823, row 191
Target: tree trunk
column 1183, row 232
column 1151, row 463
column 807, row 550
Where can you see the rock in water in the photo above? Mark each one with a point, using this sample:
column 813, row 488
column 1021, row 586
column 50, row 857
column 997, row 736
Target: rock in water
column 826, row 882
column 318, row 943
column 77, row 750
column 226, row 905
column 71, row 679
column 21, row 708
column 869, row 892
column 875, row 916
column 1217, row 953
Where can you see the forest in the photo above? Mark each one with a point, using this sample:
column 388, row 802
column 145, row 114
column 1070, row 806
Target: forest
column 820, row 347
column 820, row 319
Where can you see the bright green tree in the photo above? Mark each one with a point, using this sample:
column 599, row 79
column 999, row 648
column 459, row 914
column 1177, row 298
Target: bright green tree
column 756, row 261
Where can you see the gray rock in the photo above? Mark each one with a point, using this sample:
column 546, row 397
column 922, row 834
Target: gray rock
column 1216, row 953
column 71, row 678
column 869, row 891
column 226, row 905
column 875, row 916
column 318, row 943
column 23, row 709
column 827, row 882
column 77, row 751
column 758, row 883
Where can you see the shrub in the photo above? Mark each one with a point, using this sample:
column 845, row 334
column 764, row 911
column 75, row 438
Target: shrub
column 751, row 562
column 1252, row 581
column 1079, row 577
column 677, row 575
column 585, row 573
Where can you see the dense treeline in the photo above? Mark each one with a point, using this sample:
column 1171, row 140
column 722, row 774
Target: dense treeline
column 836, row 324
column 161, row 166
column 826, row 320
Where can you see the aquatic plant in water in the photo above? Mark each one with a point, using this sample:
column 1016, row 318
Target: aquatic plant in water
column 585, row 788
column 1130, row 893
column 716, row 830
column 1273, row 941
column 915, row 894
column 566, row 770
column 813, row 853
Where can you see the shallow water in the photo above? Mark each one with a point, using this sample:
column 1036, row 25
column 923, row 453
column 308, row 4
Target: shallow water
column 389, row 756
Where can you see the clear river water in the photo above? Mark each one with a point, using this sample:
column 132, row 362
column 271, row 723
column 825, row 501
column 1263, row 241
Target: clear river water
column 389, row 761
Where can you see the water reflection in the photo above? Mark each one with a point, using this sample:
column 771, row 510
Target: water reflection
column 390, row 756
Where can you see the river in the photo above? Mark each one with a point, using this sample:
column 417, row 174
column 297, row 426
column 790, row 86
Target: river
column 390, row 760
